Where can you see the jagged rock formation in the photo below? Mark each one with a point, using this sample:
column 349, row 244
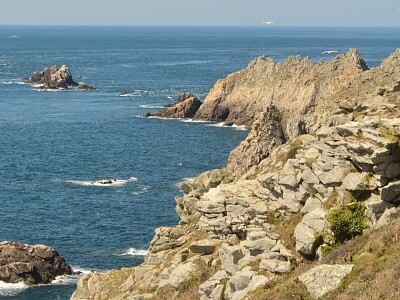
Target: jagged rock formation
column 244, row 225
column 265, row 135
column 294, row 86
column 37, row 264
column 56, row 78
column 185, row 108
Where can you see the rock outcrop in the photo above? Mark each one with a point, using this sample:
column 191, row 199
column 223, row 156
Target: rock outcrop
column 37, row 264
column 185, row 108
column 324, row 278
column 295, row 86
column 56, row 78
column 289, row 192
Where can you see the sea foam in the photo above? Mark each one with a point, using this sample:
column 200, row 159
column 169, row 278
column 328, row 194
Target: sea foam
column 135, row 252
column 98, row 183
column 11, row 289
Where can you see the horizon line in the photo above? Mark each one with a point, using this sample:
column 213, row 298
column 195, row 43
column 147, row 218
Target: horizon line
column 180, row 25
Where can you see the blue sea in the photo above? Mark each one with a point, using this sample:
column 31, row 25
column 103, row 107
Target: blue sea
column 53, row 145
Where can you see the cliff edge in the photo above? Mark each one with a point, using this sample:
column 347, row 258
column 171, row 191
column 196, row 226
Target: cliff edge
column 320, row 168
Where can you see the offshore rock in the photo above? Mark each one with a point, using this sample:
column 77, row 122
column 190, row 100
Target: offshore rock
column 37, row 264
column 185, row 108
column 56, row 78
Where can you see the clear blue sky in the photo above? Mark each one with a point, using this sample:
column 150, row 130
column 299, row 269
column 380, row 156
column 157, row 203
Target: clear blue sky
column 202, row 12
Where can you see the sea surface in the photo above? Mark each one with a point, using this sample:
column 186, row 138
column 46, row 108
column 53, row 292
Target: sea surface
column 53, row 145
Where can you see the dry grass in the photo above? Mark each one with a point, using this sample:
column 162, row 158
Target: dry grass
column 285, row 226
column 188, row 290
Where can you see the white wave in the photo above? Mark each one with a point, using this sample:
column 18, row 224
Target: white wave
column 39, row 89
column 329, row 51
column 83, row 271
column 186, row 179
column 11, row 289
column 15, row 36
column 193, row 121
column 222, row 125
column 135, row 93
column 102, row 182
column 13, row 82
column 135, row 252
column 151, row 106
column 170, row 97
column 239, row 127
column 71, row 279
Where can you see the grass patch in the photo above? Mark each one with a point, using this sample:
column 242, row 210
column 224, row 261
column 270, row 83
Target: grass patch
column 285, row 226
column 294, row 147
column 388, row 135
column 331, row 201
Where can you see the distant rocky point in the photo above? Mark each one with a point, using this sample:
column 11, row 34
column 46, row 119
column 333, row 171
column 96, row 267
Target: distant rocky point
column 54, row 78
column 185, row 108
column 31, row 265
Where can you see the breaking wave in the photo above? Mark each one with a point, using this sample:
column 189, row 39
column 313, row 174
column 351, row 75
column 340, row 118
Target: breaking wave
column 135, row 252
column 101, row 182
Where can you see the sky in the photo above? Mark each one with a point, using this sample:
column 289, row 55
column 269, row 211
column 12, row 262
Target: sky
column 201, row 12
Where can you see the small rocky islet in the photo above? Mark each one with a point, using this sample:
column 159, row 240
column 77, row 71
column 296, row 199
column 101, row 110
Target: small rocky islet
column 31, row 265
column 54, row 78
column 319, row 168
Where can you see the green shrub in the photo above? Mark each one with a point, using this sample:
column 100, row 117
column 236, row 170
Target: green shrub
column 326, row 249
column 347, row 221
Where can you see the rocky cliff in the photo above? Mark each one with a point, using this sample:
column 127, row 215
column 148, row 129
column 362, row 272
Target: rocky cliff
column 320, row 166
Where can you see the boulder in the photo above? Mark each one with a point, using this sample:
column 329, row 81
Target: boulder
column 186, row 107
column 230, row 257
column 205, row 247
column 324, row 278
column 84, row 87
column 56, row 78
column 275, row 265
column 308, row 230
column 360, row 182
column 391, row 192
column 243, row 283
column 38, row 264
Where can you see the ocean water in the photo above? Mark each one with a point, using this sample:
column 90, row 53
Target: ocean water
column 53, row 145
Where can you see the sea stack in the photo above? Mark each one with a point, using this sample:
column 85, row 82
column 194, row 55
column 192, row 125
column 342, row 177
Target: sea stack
column 57, row 78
